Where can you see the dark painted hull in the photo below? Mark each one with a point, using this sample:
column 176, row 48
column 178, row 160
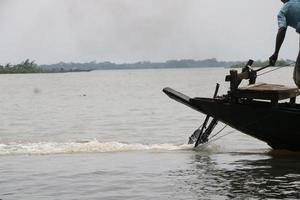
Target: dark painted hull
column 278, row 126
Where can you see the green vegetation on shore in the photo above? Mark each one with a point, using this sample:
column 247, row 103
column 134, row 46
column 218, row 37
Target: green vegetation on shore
column 28, row 66
column 260, row 63
column 24, row 67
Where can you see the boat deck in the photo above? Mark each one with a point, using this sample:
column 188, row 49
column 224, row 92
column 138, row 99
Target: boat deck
column 266, row 91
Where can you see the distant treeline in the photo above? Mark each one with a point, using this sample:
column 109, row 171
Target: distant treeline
column 186, row 63
column 260, row 63
column 31, row 67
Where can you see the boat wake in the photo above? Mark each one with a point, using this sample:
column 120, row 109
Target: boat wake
column 84, row 146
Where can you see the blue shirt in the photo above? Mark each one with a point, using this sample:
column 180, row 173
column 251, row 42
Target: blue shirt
column 289, row 15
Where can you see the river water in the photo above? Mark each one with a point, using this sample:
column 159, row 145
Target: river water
column 114, row 135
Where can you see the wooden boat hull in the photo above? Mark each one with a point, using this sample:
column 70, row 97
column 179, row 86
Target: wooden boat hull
column 278, row 126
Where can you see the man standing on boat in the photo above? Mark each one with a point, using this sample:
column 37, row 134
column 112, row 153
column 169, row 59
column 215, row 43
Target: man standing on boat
column 289, row 15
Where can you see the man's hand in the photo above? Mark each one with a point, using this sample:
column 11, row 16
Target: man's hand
column 273, row 59
column 279, row 40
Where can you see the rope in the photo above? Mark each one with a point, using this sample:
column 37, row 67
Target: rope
column 213, row 140
column 218, row 132
column 277, row 68
column 272, row 70
column 230, row 132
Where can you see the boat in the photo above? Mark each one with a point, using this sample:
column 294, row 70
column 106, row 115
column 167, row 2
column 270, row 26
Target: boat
column 268, row 112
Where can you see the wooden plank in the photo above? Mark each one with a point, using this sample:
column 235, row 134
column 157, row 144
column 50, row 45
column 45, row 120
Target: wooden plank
column 273, row 92
column 269, row 87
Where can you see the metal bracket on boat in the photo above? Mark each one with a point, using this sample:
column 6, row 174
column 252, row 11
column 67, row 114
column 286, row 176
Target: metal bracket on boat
column 203, row 135
column 236, row 78
column 200, row 136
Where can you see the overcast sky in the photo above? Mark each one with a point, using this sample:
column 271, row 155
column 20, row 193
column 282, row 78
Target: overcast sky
column 50, row 31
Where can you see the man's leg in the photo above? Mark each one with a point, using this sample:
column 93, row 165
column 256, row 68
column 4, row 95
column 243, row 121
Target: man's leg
column 297, row 71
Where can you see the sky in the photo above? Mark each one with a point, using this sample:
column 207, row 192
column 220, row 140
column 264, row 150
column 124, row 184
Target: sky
column 50, row 31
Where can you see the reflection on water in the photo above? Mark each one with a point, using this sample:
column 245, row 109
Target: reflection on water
column 241, row 176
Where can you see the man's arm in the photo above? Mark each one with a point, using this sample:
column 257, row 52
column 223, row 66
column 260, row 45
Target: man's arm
column 279, row 40
column 282, row 24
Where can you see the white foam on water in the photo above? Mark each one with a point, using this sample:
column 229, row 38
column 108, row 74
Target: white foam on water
column 84, row 146
column 210, row 148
